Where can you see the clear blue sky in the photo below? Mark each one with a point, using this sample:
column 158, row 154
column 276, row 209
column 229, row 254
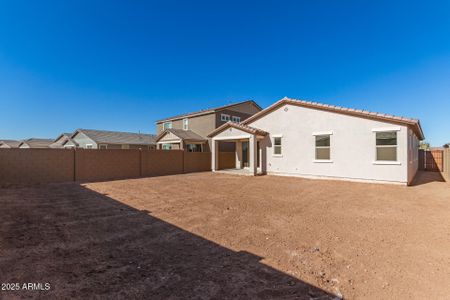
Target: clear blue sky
column 121, row 65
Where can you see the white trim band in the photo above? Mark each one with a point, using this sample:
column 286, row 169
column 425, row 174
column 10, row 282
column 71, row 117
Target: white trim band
column 322, row 133
column 386, row 162
column 396, row 128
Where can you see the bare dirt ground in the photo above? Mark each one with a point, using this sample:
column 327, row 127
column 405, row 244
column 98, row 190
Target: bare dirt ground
column 221, row 236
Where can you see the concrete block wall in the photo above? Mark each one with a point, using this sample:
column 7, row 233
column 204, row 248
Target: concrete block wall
column 25, row 166
column 197, row 162
column 31, row 166
column 162, row 162
column 99, row 165
column 447, row 162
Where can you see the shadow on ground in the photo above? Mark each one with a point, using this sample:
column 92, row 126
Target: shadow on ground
column 424, row 177
column 86, row 244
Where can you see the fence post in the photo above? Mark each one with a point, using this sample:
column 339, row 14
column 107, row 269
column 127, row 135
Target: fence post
column 446, row 159
column 184, row 160
column 74, row 164
column 140, row 162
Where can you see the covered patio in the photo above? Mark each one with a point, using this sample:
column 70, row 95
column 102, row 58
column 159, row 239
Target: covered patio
column 178, row 139
column 249, row 155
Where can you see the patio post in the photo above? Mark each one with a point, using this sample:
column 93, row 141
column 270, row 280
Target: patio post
column 214, row 155
column 238, row 155
column 253, row 154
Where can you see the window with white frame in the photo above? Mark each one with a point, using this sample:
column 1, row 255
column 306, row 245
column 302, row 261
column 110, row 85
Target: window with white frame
column 386, row 144
column 323, row 147
column 102, row 146
column 194, row 147
column 236, row 119
column 167, row 125
column 167, row 146
column 125, row 146
column 225, row 117
column 277, row 145
column 185, row 124
column 88, row 146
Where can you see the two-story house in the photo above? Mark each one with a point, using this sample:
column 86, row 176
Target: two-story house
column 189, row 131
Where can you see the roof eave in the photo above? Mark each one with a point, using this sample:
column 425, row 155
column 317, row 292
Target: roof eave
column 335, row 109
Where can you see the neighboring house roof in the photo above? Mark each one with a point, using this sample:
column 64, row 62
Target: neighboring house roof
column 10, row 143
column 37, row 143
column 447, row 145
column 413, row 123
column 117, row 137
column 62, row 139
column 185, row 135
column 240, row 126
column 208, row 111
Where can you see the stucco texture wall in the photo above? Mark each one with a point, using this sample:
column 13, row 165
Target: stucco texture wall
column 352, row 145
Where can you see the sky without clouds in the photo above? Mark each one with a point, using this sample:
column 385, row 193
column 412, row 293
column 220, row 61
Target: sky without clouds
column 121, row 65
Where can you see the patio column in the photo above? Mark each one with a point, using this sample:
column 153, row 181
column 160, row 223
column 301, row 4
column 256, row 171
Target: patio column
column 238, row 155
column 253, row 148
column 215, row 155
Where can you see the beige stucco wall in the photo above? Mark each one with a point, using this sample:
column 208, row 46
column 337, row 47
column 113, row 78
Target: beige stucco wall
column 201, row 125
column 169, row 137
column 447, row 163
column 204, row 124
column 231, row 113
column 232, row 133
column 352, row 145
column 83, row 140
column 413, row 155
column 246, row 108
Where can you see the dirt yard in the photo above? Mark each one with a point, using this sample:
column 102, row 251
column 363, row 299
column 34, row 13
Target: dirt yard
column 221, row 236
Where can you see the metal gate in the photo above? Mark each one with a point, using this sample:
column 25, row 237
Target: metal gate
column 431, row 160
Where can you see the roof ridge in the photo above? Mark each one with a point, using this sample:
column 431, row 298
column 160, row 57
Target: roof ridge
column 113, row 131
column 351, row 109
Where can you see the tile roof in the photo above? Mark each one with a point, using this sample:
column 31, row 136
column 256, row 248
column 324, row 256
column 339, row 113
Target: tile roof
column 185, row 135
column 207, row 111
column 10, row 143
column 243, row 127
column 414, row 123
column 37, row 143
column 117, row 137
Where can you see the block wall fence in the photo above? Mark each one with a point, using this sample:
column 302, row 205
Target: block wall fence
column 31, row 166
column 447, row 162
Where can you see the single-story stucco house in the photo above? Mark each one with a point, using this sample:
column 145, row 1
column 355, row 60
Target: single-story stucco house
column 308, row 139
column 35, row 143
column 8, row 144
column 103, row 139
column 62, row 141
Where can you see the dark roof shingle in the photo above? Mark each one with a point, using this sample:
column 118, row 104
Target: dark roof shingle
column 118, row 137
column 243, row 127
column 185, row 135
column 37, row 143
column 10, row 143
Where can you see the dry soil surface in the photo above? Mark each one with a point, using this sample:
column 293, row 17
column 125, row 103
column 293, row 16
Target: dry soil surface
column 221, row 236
